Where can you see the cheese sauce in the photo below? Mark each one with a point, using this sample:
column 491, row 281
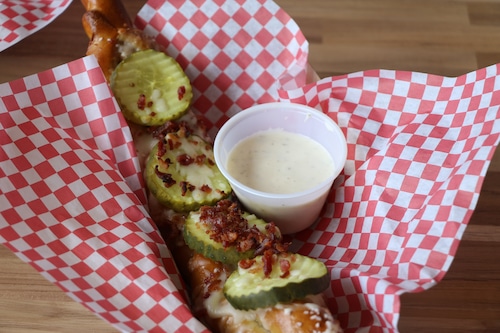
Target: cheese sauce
column 280, row 162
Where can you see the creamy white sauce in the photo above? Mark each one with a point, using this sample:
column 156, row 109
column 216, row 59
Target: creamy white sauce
column 277, row 161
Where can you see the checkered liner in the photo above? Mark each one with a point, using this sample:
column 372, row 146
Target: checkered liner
column 71, row 201
column 418, row 149
column 19, row 19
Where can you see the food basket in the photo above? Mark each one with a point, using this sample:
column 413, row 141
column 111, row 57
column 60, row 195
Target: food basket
column 73, row 199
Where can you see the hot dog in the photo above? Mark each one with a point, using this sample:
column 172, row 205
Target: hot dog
column 177, row 197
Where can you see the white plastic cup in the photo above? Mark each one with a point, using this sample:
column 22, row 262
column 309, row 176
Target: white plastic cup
column 291, row 212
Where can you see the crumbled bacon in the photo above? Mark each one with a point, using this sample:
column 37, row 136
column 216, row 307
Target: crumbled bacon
column 181, row 128
column 212, row 282
column 267, row 262
column 167, row 127
column 246, row 263
column 200, row 159
column 184, row 130
column 169, row 137
column 164, row 164
column 141, row 102
column 185, row 187
column 205, row 188
column 227, row 226
column 181, row 91
column 221, row 192
column 285, row 268
column 173, row 142
column 166, row 178
column 272, row 242
column 185, row 159
column 162, row 149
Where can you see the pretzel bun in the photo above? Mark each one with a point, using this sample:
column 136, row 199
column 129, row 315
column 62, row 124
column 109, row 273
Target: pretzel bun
column 209, row 304
column 111, row 34
column 103, row 43
column 113, row 10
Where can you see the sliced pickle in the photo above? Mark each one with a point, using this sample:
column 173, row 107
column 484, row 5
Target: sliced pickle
column 197, row 235
column 249, row 287
column 182, row 175
column 151, row 88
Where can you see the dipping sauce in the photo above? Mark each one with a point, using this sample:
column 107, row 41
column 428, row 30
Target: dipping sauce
column 280, row 162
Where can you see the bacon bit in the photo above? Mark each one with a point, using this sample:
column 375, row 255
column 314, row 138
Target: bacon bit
column 213, row 285
column 185, row 159
column 210, row 161
column 150, row 104
column 267, row 261
column 169, row 143
column 164, row 164
column 162, row 149
column 285, row 268
column 166, row 178
column 181, row 128
column 168, row 127
column 212, row 278
column 285, row 275
column 225, row 221
column 185, row 187
column 271, row 243
column 181, row 91
column 205, row 188
column 173, row 142
column 184, row 131
column 141, row 102
column 227, row 226
column 200, row 159
column 211, row 282
column 246, row 263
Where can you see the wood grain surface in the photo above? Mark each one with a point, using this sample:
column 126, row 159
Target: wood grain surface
column 435, row 36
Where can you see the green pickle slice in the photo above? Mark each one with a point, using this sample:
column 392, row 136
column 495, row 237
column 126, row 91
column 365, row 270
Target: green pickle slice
column 151, row 88
column 184, row 176
column 249, row 288
column 197, row 237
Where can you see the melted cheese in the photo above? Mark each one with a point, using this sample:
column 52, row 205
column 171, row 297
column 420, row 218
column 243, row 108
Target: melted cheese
column 218, row 307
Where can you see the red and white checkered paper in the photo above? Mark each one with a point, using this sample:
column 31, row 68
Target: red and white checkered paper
column 419, row 146
column 21, row 18
column 71, row 201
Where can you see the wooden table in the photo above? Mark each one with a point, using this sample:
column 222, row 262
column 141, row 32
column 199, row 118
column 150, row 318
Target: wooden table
column 435, row 36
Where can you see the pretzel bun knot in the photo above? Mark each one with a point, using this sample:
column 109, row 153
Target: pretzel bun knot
column 111, row 33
